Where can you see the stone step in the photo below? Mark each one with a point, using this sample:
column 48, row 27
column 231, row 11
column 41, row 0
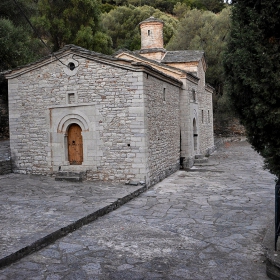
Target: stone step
column 69, row 179
column 199, row 156
column 200, row 160
column 70, row 176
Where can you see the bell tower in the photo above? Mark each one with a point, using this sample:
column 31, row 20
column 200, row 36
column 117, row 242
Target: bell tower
column 152, row 38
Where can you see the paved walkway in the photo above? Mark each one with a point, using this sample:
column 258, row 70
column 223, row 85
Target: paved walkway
column 205, row 224
column 35, row 210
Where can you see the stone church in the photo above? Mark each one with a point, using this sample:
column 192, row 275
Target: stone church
column 135, row 116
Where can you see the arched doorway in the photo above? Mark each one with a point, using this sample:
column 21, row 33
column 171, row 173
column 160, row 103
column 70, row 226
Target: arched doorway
column 194, row 135
column 75, row 144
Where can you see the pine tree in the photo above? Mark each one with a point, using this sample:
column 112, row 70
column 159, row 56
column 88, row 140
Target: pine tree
column 252, row 69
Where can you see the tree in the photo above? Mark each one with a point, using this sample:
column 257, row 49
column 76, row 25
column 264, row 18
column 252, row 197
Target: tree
column 71, row 22
column 214, row 6
column 122, row 25
column 9, row 9
column 17, row 45
column 204, row 30
column 252, row 68
column 168, row 6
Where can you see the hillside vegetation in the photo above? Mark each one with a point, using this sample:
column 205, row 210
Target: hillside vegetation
column 110, row 25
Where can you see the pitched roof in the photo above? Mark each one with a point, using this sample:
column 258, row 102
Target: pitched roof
column 151, row 19
column 56, row 55
column 136, row 54
column 102, row 58
column 143, row 58
column 182, row 56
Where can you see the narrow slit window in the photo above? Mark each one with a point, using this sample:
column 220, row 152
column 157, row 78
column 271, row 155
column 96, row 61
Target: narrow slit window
column 202, row 116
column 208, row 116
column 193, row 95
column 149, row 32
column 164, row 94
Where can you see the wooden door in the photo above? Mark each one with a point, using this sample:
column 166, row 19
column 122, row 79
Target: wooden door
column 75, row 144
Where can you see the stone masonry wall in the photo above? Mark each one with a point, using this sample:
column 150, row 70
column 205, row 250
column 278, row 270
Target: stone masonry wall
column 156, row 55
column 151, row 35
column 163, row 123
column 206, row 136
column 114, row 147
column 188, row 111
column 205, row 112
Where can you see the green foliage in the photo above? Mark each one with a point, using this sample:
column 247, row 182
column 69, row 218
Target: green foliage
column 9, row 10
column 168, row 6
column 163, row 5
column 122, row 25
column 180, row 9
column 252, row 67
column 17, row 46
column 106, row 8
column 70, row 22
column 204, row 30
column 214, row 6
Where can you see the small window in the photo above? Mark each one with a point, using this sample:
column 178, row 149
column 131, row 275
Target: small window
column 164, row 94
column 202, row 120
column 149, row 32
column 193, row 95
column 208, row 116
column 71, row 98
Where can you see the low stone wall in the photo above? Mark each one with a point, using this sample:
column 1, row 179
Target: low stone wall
column 5, row 161
column 228, row 126
column 5, row 167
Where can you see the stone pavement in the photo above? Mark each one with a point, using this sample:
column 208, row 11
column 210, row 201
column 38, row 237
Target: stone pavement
column 207, row 223
column 36, row 210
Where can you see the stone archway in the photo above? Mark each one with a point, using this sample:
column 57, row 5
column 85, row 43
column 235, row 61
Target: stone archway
column 195, row 135
column 75, row 144
column 74, row 127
